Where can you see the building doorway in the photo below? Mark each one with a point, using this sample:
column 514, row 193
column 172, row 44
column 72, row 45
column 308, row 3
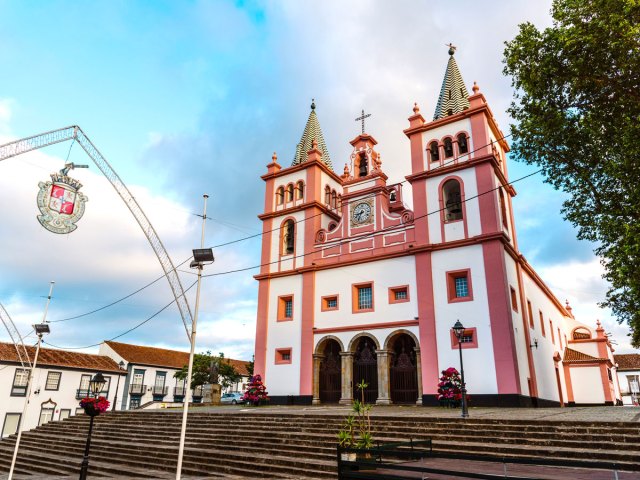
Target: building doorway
column 404, row 371
column 330, row 373
column 365, row 367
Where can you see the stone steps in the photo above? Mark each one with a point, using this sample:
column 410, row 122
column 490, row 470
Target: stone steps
column 263, row 445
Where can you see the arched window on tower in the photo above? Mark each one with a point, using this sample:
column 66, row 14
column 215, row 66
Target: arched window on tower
column 339, row 201
column 503, row 210
column 288, row 237
column 289, row 193
column 327, row 195
column 463, row 146
column 334, row 199
column 448, row 148
column 363, row 167
column 279, row 196
column 434, row 151
column 300, row 190
column 452, row 200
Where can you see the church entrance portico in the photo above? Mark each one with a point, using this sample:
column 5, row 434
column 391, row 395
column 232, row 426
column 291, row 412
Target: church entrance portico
column 365, row 368
column 404, row 356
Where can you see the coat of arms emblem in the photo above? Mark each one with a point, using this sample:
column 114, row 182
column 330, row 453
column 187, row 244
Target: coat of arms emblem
column 60, row 203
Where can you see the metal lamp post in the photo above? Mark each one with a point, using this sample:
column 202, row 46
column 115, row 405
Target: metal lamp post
column 458, row 330
column 115, row 398
column 96, row 385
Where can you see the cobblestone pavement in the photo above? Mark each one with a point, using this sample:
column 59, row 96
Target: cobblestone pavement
column 573, row 414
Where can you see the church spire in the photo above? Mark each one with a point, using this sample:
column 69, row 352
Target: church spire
column 312, row 131
column 453, row 95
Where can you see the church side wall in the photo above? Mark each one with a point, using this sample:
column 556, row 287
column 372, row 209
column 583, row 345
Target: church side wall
column 479, row 363
column 587, row 385
column 284, row 378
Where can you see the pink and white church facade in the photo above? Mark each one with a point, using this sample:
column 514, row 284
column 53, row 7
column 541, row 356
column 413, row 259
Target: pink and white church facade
column 356, row 286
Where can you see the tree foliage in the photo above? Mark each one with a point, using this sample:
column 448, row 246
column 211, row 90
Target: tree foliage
column 577, row 113
column 208, row 368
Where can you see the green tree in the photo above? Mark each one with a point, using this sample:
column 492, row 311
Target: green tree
column 577, row 113
column 208, row 368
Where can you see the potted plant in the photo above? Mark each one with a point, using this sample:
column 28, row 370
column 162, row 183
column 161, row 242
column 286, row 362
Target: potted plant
column 256, row 393
column 346, row 438
column 450, row 388
column 356, row 430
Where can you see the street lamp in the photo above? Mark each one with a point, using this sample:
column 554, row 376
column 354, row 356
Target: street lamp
column 115, row 398
column 458, row 330
column 96, row 384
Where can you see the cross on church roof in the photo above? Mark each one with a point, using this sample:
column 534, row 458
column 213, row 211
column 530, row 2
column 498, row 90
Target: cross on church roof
column 362, row 119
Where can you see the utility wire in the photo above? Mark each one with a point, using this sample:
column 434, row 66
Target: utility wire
column 126, row 331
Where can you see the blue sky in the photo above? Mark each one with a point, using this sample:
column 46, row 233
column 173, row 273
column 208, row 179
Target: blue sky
column 185, row 98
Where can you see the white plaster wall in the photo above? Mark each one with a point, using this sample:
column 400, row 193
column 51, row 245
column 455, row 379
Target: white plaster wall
column 284, row 379
column 384, row 274
column 479, row 364
column 64, row 397
column 472, row 208
column 587, row 385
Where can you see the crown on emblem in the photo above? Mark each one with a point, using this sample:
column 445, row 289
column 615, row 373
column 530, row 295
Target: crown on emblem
column 60, row 178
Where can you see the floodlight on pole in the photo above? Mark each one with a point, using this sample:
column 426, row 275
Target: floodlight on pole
column 40, row 329
column 200, row 257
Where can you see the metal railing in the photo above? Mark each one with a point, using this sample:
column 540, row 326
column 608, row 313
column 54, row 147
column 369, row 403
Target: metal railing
column 179, row 391
column 159, row 390
column 137, row 389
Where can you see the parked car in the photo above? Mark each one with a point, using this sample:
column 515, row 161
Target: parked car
column 233, row 398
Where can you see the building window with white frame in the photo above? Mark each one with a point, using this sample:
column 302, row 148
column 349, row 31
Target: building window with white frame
column 20, row 382
column 53, row 381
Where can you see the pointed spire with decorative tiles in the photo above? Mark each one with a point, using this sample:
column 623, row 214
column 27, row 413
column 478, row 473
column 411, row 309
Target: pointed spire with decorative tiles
column 312, row 131
column 454, row 96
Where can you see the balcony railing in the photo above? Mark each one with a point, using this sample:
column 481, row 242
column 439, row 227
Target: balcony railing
column 179, row 391
column 137, row 389
column 83, row 393
column 19, row 391
column 197, row 392
column 160, row 390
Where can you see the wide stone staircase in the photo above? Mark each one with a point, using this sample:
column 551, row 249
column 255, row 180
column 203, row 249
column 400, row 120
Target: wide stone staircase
column 265, row 445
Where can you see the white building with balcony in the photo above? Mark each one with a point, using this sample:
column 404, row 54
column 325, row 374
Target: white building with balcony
column 629, row 377
column 60, row 380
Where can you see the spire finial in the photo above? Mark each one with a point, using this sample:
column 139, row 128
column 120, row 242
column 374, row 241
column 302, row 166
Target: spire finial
column 452, row 48
column 274, row 158
column 313, row 104
column 475, row 88
column 416, row 109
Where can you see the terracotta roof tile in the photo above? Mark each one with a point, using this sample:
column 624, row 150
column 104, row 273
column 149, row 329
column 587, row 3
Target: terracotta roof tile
column 571, row 356
column 60, row 358
column 628, row 361
column 162, row 357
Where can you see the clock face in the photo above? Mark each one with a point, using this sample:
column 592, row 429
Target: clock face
column 361, row 213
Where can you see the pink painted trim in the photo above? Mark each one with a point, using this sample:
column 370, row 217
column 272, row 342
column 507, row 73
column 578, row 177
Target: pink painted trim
column 467, row 331
column 369, row 326
column 262, row 324
column 499, row 303
column 279, row 354
column 392, row 294
column 451, row 285
column 427, row 325
column 354, row 298
column 323, row 303
column 281, row 308
column 306, row 333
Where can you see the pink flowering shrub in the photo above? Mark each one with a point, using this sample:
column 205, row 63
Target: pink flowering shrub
column 100, row 404
column 450, row 387
column 256, row 392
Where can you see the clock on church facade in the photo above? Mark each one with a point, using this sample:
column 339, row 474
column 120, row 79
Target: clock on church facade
column 356, row 285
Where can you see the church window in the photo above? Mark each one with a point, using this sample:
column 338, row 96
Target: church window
column 530, row 312
column 392, row 196
column 279, row 196
column 542, row 323
column 327, row 195
column 448, row 148
column 553, row 339
column 289, row 193
column 399, row 294
column 469, row 338
column 332, row 226
column 299, row 190
column 339, row 201
column 362, row 165
column 283, row 355
column 459, row 286
column 334, row 199
column 452, row 200
column 503, row 210
column 463, row 146
column 434, row 151
column 285, row 308
column 330, row 303
column 514, row 299
column 288, row 237
column 362, row 297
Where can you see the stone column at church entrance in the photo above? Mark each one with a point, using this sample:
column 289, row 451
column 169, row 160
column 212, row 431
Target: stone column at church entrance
column 419, row 373
column 346, row 365
column 383, row 378
column 317, row 358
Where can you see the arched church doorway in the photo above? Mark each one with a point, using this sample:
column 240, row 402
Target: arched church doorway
column 365, row 367
column 330, row 373
column 404, row 371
